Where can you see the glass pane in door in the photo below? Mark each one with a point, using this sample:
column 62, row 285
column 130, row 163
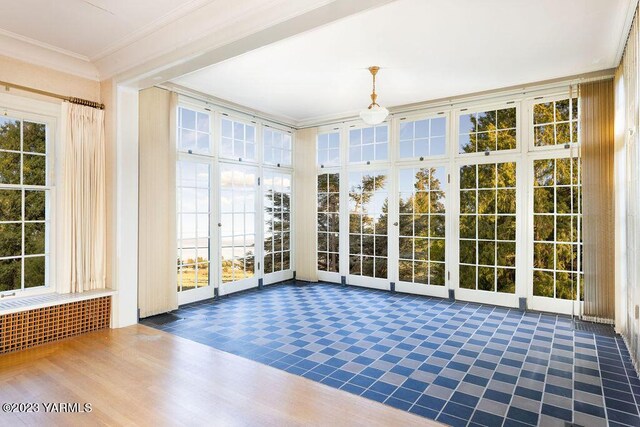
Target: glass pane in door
column 277, row 221
column 368, row 221
column 421, row 205
column 193, row 220
column 237, row 218
column 557, row 242
column 488, row 227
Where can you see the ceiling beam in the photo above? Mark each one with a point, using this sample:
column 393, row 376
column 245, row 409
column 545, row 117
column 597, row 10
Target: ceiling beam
column 251, row 31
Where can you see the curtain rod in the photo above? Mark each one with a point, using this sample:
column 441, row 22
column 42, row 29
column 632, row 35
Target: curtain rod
column 70, row 99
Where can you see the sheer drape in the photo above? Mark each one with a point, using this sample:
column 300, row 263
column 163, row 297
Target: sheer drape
column 597, row 119
column 83, row 211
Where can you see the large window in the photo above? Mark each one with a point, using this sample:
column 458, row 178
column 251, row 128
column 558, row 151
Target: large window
column 369, row 143
column 423, row 138
column 421, row 205
column 24, row 204
column 557, row 246
column 487, row 131
column 329, row 222
column 555, row 122
column 488, row 227
column 277, row 221
column 193, row 224
column 368, row 221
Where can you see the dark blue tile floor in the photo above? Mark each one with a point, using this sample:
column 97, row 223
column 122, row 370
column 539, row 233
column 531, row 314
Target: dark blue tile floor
column 458, row 363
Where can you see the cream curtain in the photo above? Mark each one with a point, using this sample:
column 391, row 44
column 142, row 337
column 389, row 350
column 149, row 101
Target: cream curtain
column 628, row 161
column 83, row 210
column 597, row 133
column 305, row 202
column 157, row 245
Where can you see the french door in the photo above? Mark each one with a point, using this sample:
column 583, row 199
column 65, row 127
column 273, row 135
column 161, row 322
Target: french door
column 422, row 225
column 369, row 228
column 237, row 226
column 194, row 270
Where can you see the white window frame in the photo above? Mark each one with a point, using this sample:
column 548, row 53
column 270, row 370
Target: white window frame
column 275, row 128
column 47, row 113
column 422, row 116
column 328, row 131
column 330, row 276
column 419, row 288
column 359, row 125
column 529, row 104
column 457, row 113
column 185, row 297
column 217, row 139
column 216, row 161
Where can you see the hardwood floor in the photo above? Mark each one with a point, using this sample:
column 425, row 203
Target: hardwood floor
column 141, row 376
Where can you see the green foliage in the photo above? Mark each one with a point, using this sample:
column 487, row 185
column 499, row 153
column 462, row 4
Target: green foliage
column 11, row 204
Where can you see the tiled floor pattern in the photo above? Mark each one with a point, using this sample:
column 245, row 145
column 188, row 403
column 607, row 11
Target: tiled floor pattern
column 459, row 363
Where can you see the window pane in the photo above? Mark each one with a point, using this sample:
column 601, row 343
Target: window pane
column 487, row 131
column 34, row 137
column 422, row 138
column 10, row 168
column 34, row 271
column 34, row 169
column 553, row 122
column 9, row 134
column 34, row 238
column 11, row 205
column 10, row 273
column 10, row 240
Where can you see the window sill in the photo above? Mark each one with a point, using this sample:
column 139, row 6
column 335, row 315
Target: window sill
column 24, row 303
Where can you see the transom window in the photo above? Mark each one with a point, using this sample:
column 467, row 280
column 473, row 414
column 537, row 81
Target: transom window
column 491, row 130
column 329, row 149
column 557, row 246
column 24, row 205
column 277, row 147
column 422, row 225
column 369, row 144
column 488, row 227
column 329, row 222
column 556, row 122
column 238, row 140
column 194, row 131
column 423, row 138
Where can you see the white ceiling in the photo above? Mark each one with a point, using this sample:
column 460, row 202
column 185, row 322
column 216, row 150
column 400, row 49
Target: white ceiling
column 428, row 49
column 88, row 28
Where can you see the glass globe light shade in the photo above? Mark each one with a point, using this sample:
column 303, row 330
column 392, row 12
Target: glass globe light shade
column 374, row 115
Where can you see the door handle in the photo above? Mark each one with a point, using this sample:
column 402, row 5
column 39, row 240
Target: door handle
column 395, row 223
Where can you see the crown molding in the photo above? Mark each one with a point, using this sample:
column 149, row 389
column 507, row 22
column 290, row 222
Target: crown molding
column 173, row 15
column 630, row 13
column 45, row 55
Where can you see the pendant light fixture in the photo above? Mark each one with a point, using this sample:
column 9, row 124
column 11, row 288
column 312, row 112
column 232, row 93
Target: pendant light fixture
column 374, row 114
